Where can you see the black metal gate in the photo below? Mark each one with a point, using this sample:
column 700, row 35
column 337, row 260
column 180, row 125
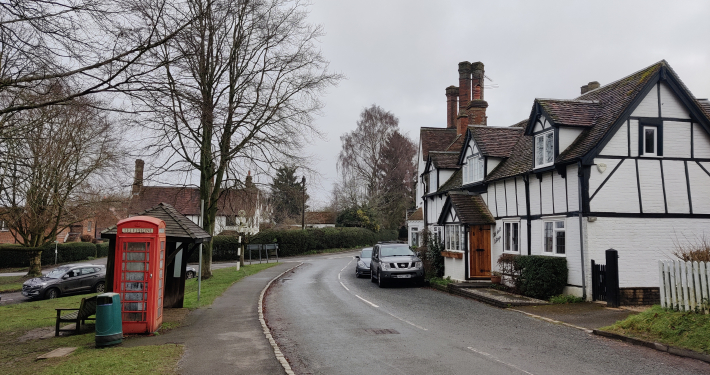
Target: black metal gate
column 598, row 282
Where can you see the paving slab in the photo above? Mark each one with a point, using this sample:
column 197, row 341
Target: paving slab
column 226, row 337
column 58, row 352
column 496, row 297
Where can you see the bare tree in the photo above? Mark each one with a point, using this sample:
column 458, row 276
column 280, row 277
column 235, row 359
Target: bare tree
column 45, row 163
column 89, row 46
column 362, row 148
column 237, row 87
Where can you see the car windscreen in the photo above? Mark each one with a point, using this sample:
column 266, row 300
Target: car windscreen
column 366, row 254
column 392, row 251
column 57, row 274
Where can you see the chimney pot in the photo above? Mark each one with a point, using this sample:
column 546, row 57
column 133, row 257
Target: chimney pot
column 592, row 85
column 478, row 75
column 584, row 89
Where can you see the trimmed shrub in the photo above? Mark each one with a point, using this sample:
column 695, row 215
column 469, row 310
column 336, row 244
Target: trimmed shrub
column 102, row 249
column 16, row 256
column 540, row 276
column 86, row 238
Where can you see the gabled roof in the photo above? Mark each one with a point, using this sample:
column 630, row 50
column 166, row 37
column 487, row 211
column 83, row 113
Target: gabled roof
column 186, row 200
column 444, row 159
column 495, row 141
column 177, row 226
column 570, row 112
column 417, row 215
column 519, row 161
column 471, row 209
column 436, row 139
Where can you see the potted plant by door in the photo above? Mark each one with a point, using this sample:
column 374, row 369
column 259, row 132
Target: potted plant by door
column 496, row 277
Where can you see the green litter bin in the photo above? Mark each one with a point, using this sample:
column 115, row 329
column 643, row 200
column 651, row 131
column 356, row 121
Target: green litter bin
column 109, row 327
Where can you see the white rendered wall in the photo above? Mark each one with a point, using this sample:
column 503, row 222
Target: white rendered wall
column 671, row 106
column 676, row 187
column 620, row 193
column 619, row 143
column 534, row 195
column 444, row 175
column 648, row 106
column 520, row 186
column 701, row 142
column 572, row 188
column 567, row 136
column 641, row 243
column 651, row 186
column 634, row 130
column 511, row 197
column 559, row 193
column 455, row 268
column 546, row 193
column 676, row 139
column 572, row 248
column 699, row 188
column 491, row 164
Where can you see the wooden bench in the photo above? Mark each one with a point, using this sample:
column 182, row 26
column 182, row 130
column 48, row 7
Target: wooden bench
column 79, row 316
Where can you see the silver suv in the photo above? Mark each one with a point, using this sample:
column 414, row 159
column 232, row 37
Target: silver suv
column 69, row 279
column 392, row 261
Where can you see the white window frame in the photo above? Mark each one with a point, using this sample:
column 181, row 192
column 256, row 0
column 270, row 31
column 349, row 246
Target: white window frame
column 555, row 230
column 3, row 226
column 511, row 229
column 414, row 234
column 655, row 141
column 473, row 170
column 453, row 237
column 546, row 142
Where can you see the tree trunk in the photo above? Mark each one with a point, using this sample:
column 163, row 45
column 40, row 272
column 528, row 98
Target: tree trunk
column 35, row 263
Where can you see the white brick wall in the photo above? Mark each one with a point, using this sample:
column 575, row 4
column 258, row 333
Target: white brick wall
column 620, row 193
column 651, row 187
column 640, row 243
column 455, row 268
column 676, row 187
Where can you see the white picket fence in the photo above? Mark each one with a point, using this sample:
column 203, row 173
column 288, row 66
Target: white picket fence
column 684, row 285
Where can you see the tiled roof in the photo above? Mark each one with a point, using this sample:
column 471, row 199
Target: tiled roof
column 177, row 226
column 186, row 200
column 417, row 215
column 322, row 217
column 457, row 144
column 444, row 159
column 436, row 139
column 495, row 141
column 571, row 112
column 471, row 209
column 454, row 182
column 613, row 99
column 519, row 161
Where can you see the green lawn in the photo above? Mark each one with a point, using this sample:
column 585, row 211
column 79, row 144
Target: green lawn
column 680, row 329
column 219, row 282
column 11, row 283
column 18, row 356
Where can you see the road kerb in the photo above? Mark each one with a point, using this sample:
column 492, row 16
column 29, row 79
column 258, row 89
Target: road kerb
column 654, row 345
column 277, row 352
column 553, row 320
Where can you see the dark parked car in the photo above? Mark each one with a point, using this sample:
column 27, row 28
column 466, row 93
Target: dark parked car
column 363, row 262
column 392, row 261
column 68, row 279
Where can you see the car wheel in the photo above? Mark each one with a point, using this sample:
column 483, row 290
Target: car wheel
column 52, row 293
column 189, row 275
column 357, row 274
column 372, row 275
column 100, row 287
column 380, row 282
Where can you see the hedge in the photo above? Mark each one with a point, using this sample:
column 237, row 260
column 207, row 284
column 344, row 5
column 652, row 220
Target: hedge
column 295, row 242
column 13, row 256
column 541, row 276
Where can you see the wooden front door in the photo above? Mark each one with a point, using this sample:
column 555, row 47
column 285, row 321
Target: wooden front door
column 480, row 251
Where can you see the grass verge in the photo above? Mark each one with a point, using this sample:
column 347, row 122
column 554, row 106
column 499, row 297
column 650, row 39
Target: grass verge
column 440, row 281
column 219, row 282
column 11, row 283
column 564, row 299
column 23, row 324
column 680, row 329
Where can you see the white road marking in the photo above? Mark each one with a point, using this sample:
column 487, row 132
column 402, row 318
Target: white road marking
column 346, row 288
column 366, row 301
column 406, row 321
column 339, row 275
column 499, row 361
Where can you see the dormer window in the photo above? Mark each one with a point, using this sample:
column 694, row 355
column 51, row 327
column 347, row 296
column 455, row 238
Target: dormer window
column 473, row 171
column 544, row 149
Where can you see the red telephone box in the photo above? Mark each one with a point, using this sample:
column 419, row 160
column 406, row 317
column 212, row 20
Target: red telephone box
column 138, row 273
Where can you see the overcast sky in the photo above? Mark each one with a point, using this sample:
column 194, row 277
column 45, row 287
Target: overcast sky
column 401, row 55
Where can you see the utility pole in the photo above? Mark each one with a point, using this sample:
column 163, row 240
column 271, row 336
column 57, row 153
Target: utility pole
column 303, row 204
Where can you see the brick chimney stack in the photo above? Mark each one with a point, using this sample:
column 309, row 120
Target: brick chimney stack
column 452, row 93
column 476, row 109
column 138, row 179
column 248, row 183
column 464, row 84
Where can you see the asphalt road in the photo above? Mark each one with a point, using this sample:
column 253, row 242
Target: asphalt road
column 326, row 321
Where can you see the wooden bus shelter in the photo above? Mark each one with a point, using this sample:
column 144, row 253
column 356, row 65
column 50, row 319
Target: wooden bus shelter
column 182, row 240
